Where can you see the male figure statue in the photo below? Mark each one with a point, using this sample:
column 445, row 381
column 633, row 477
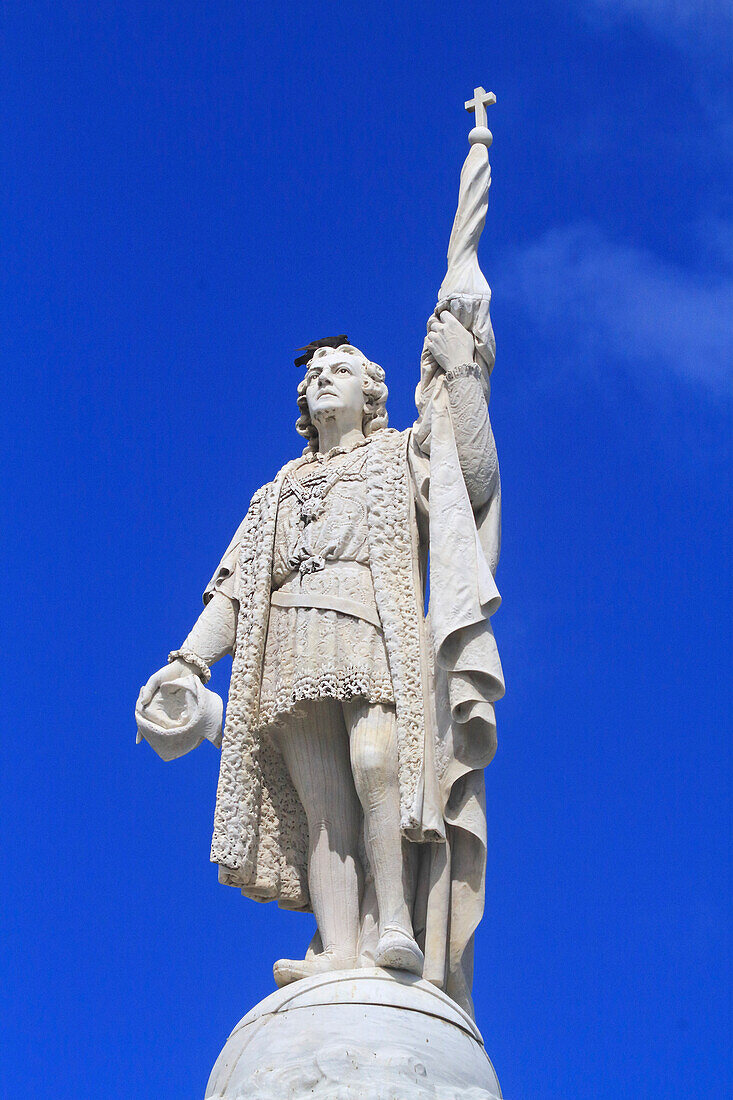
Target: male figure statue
column 357, row 730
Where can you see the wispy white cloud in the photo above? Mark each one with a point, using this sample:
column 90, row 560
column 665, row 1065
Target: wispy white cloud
column 603, row 299
column 692, row 25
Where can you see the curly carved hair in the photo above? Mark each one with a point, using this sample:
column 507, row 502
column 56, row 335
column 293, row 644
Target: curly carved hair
column 375, row 396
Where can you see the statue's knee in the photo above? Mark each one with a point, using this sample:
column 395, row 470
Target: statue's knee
column 319, row 823
column 373, row 766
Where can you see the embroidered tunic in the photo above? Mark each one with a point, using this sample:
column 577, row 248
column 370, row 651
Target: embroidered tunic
column 313, row 651
column 324, row 635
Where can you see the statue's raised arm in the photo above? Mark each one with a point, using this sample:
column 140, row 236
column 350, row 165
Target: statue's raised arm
column 459, row 350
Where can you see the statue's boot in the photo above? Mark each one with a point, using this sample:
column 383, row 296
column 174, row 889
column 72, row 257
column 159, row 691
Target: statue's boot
column 286, row 971
column 397, row 950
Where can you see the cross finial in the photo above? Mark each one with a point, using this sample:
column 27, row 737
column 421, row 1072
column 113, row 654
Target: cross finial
column 481, row 100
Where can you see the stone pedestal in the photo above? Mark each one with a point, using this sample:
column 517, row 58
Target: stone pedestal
column 355, row 1035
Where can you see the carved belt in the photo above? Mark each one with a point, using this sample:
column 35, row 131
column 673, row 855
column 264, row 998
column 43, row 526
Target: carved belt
column 327, row 603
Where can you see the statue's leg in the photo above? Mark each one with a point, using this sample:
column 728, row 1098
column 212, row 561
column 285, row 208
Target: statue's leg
column 315, row 748
column 373, row 741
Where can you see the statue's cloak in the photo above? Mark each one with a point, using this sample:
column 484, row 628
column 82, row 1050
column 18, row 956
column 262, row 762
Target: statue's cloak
column 443, row 695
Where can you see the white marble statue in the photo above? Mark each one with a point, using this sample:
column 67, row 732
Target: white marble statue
column 357, row 726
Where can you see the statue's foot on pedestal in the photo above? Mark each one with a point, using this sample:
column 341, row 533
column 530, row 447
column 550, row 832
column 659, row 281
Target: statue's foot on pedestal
column 397, row 950
column 286, row 971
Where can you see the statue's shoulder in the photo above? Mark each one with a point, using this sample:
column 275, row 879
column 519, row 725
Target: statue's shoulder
column 390, row 439
column 387, row 444
column 257, row 497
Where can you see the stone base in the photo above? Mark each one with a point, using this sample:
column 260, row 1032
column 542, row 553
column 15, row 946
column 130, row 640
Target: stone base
column 355, row 1035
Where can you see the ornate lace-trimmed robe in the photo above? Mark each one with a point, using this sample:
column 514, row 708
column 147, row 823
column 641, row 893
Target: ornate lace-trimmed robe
column 443, row 695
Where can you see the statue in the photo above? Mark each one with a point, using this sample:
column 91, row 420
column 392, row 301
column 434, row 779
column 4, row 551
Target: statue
column 358, row 725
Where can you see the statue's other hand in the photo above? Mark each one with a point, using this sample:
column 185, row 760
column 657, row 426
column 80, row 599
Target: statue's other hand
column 450, row 344
column 163, row 676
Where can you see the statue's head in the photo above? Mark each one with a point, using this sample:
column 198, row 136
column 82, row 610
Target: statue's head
column 341, row 382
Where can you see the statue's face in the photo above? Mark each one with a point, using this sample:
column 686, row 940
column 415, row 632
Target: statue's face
column 335, row 387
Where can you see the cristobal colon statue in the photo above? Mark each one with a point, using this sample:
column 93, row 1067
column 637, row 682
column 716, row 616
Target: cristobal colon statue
column 358, row 726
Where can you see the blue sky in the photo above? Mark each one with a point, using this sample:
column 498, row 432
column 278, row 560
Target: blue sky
column 193, row 192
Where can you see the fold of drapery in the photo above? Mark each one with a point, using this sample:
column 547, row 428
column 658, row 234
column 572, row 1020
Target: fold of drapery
column 464, row 552
column 468, row 680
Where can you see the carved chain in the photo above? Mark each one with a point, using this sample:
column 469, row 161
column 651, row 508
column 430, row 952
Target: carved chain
column 312, row 500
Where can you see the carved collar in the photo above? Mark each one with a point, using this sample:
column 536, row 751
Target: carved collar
column 320, row 456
